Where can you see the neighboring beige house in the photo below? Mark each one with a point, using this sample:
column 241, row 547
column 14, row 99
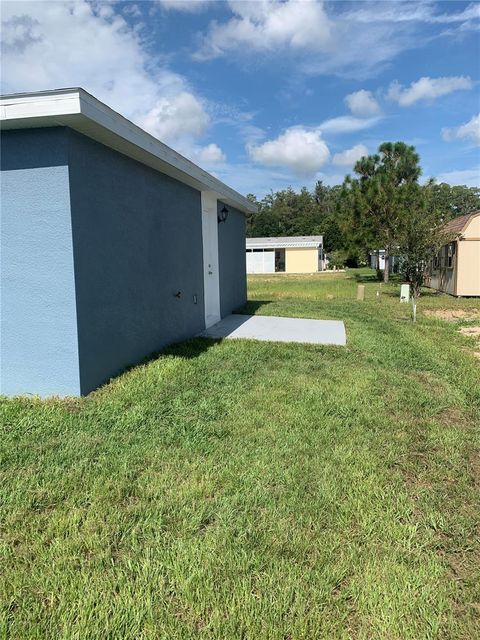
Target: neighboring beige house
column 456, row 269
column 297, row 254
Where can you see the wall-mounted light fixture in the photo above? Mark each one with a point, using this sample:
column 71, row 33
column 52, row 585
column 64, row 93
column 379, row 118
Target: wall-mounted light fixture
column 223, row 214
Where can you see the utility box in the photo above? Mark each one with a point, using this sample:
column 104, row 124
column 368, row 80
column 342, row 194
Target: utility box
column 405, row 293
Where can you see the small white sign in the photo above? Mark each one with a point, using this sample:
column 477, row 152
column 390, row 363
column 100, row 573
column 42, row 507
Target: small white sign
column 405, row 293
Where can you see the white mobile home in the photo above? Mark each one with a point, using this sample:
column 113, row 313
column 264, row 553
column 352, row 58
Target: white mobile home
column 297, row 254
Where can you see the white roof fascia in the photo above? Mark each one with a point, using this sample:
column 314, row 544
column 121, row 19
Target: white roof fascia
column 283, row 245
column 77, row 109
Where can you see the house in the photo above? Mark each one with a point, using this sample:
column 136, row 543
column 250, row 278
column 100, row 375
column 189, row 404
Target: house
column 302, row 254
column 456, row 268
column 377, row 261
column 112, row 246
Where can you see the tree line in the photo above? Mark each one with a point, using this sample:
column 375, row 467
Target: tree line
column 381, row 206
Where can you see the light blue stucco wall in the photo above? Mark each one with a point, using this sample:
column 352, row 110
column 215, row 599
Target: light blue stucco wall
column 137, row 242
column 94, row 247
column 38, row 326
column 232, row 261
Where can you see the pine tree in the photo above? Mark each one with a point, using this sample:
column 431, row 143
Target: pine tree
column 375, row 196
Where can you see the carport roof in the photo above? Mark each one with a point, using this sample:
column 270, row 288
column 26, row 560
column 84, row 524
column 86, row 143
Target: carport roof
column 312, row 242
column 79, row 110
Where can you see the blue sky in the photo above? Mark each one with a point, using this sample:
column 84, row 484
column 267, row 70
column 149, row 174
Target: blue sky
column 267, row 94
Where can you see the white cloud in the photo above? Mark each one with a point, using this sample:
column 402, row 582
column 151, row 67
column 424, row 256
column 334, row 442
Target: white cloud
column 49, row 45
column 131, row 9
column 427, row 89
column 468, row 131
column 362, row 103
column 348, row 157
column 325, row 38
column 347, row 124
column 211, row 154
column 302, row 150
column 187, row 6
column 268, row 25
column 468, row 177
column 412, row 11
column 172, row 118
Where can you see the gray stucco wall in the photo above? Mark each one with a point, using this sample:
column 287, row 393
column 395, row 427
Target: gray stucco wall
column 137, row 242
column 38, row 328
column 232, row 261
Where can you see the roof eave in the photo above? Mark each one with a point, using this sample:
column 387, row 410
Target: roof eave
column 79, row 110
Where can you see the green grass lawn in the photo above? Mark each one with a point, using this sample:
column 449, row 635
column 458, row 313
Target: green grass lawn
column 246, row 490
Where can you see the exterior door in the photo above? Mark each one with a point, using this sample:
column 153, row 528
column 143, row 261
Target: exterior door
column 211, row 280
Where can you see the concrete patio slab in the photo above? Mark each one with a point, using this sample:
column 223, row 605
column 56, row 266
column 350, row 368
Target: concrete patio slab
column 276, row 329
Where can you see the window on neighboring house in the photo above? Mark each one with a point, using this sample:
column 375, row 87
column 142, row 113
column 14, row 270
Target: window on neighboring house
column 450, row 254
column 443, row 257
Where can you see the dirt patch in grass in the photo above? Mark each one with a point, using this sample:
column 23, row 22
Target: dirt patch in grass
column 462, row 567
column 424, row 467
column 475, row 468
column 452, row 417
column 473, row 332
column 452, row 315
column 430, row 381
